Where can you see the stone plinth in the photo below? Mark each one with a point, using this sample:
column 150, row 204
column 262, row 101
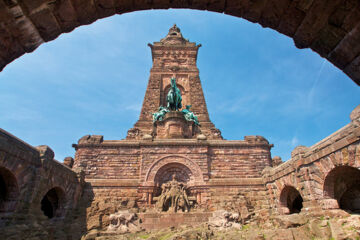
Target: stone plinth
column 174, row 126
column 164, row 220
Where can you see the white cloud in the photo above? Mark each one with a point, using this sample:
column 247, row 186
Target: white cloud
column 294, row 141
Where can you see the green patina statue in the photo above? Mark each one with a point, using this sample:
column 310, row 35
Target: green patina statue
column 189, row 115
column 173, row 97
column 160, row 114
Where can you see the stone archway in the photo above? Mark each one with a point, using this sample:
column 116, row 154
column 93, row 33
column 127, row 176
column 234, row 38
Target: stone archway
column 180, row 171
column 342, row 184
column 162, row 170
column 290, row 200
column 9, row 191
column 53, row 202
column 332, row 29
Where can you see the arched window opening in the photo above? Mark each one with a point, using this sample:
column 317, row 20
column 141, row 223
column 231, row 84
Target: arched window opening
column 291, row 199
column 9, row 191
column 53, row 202
column 180, row 171
column 342, row 184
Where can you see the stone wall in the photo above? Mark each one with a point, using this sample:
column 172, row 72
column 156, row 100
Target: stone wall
column 126, row 159
column 31, row 179
column 110, row 176
column 315, row 172
column 127, row 174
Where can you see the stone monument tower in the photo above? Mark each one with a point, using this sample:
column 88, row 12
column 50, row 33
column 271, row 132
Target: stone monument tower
column 173, row 160
column 174, row 56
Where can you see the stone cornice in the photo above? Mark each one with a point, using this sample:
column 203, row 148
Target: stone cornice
column 173, row 143
column 126, row 183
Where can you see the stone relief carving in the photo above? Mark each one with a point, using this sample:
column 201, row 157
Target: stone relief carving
column 123, row 222
column 173, row 197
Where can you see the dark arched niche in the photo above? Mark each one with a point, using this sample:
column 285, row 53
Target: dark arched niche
column 291, row 199
column 343, row 184
column 9, row 190
column 52, row 204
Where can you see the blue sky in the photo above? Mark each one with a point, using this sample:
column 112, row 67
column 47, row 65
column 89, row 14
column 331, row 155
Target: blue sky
column 93, row 81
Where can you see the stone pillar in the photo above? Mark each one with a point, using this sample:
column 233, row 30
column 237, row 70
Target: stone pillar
column 198, row 198
column 150, row 195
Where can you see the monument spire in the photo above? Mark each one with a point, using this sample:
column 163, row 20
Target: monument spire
column 173, row 57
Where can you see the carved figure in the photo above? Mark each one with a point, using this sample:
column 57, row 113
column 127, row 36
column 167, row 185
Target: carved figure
column 190, row 116
column 183, row 201
column 160, row 114
column 173, row 197
column 173, row 97
column 123, row 222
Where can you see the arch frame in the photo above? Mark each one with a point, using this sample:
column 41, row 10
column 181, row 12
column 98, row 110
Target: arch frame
column 11, row 197
column 335, row 197
column 62, row 198
column 284, row 194
column 154, row 168
column 306, row 31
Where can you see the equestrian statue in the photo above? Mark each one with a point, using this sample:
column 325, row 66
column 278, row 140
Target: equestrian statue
column 173, row 97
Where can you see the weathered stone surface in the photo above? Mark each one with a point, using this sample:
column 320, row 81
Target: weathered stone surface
column 222, row 220
column 123, row 222
column 30, row 174
column 69, row 161
column 290, row 221
column 355, row 114
column 276, row 161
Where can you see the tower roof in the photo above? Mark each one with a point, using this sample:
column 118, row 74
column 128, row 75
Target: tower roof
column 174, row 37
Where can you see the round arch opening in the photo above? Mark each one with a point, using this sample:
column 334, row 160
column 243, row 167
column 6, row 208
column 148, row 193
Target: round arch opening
column 52, row 204
column 291, row 199
column 9, row 191
column 180, row 172
column 342, row 184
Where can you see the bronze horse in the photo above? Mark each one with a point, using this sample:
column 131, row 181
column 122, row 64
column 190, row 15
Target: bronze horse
column 173, row 97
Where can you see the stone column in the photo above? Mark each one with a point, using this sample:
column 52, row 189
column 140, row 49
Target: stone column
column 150, row 195
column 198, row 197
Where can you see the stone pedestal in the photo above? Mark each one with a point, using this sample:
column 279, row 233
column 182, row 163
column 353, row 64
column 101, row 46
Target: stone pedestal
column 164, row 220
column 174, row 126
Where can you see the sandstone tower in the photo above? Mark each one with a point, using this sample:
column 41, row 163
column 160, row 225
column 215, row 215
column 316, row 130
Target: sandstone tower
column 174, row 56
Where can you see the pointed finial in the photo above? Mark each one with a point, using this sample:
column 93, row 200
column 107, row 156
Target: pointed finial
column 174, row 28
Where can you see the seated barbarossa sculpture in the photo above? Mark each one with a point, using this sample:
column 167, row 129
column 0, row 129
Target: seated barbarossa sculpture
column 173, row 197
column 190, row 116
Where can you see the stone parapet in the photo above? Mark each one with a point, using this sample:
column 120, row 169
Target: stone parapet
column 311, row 172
